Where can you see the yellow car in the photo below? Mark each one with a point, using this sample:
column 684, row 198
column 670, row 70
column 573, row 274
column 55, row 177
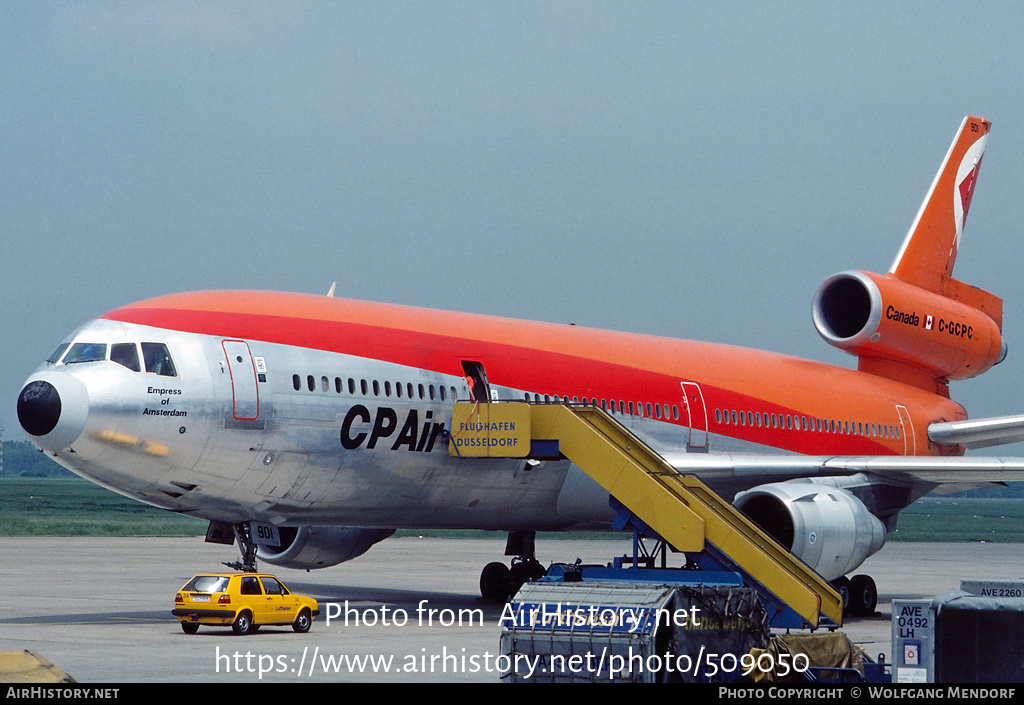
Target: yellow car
column 245, row 601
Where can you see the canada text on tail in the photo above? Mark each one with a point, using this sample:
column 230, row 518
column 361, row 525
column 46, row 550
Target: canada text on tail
column 917, row 324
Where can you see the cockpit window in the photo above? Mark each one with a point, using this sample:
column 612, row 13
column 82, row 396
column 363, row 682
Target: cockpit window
column 125, row 354
column 86, row 352
column 55, row 355
column 158, row 359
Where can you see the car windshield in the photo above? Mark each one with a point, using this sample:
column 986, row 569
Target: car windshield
column 207, row 583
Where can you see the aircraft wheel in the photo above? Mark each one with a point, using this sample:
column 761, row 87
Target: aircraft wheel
column 494, row 582
column 842, row 586
column 522, row 572
column 863, row 596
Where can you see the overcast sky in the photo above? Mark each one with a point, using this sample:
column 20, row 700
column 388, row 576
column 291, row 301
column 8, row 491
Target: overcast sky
column 683, row 169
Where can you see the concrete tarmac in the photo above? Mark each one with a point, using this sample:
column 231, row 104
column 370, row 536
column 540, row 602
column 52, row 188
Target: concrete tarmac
column 99, row 608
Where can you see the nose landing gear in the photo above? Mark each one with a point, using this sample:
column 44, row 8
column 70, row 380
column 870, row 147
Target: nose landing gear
column 218, row 532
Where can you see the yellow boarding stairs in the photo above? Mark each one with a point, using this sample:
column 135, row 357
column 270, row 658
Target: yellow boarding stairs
column 680, row 508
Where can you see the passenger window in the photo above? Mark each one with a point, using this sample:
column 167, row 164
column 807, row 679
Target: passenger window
column 125, row 354
column 251, row 586
column 272, row 586
column 86, row 352
column 297, row 382
column 158, row 360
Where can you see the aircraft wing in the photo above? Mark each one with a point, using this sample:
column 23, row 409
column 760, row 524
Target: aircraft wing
column 939, row 470
column 979, row 433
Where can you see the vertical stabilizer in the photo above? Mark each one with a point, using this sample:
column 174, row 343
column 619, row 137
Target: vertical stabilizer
column 929, row 250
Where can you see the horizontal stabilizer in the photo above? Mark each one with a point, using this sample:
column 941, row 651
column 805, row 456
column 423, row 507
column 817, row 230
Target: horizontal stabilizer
column 929, row 468
column 979, row 433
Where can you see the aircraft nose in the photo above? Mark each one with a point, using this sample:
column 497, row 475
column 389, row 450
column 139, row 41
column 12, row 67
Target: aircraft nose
column 52, row 409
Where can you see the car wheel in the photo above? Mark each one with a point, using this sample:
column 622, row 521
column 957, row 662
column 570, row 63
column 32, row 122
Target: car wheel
column 189, row 627
column 303, row 622
column 243, row 624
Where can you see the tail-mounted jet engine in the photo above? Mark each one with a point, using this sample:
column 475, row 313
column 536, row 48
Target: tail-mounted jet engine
column 311, row 547
column 882, row 318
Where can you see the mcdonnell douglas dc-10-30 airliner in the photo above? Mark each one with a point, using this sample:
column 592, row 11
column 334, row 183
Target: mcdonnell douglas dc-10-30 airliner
column 326, row 420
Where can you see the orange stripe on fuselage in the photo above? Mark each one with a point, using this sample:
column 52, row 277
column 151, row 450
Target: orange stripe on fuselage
column 566, row 360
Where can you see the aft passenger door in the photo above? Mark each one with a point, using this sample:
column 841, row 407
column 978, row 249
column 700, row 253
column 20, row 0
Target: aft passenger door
column 907, row 430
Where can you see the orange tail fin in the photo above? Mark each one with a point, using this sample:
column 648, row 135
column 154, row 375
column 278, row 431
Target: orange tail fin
column 929, row 250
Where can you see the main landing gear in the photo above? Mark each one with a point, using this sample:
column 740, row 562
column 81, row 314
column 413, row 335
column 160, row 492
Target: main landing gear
column 859, row 593
column 499, row 582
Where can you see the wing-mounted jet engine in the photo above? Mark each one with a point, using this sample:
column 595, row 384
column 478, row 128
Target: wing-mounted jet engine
column 310, row 547
column 301, row 548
